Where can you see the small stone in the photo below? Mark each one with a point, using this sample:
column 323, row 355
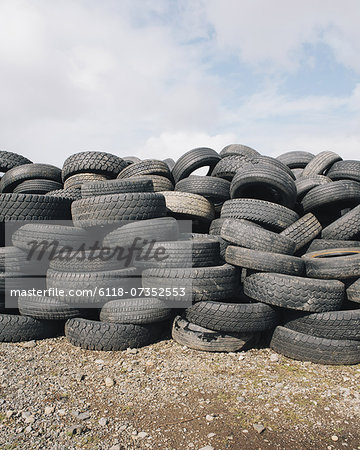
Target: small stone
column 241, row 357
column 209, row 417
column 211, row 435
column 276, row 410
column 83, row 416
column 122, row 428
column 109, row 382
column 25, row 414
column 334, row 438
column 142, row 435
column 132, row 351
column 103, row 421
column 9, row 413
column 259, row 427
column 190, row 445
column 74, row 429
column 274, row 357
column 49, row 410
column 245, row 431
column 240, row 399
column 61, row 412
column 207, row 447
column 134, row 433
column 99, row 361
column 115, row 447
column 29, row 344
column 28, row 429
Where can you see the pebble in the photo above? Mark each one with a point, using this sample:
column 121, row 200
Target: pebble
column 83, row 416
column 142, row 435
column 211, row 435
column 74, row 429
column 241, row 357
column 9, row 413
column 29, row 344
column 103, row 421
column 274, row 357
column 207, row 447
column 132, row 351
column 49, row 410
column 28, row 429
column 99, row 361
column 334, row 438
column 109, row 382
column 259, row 427
column 61, row 412
column 115, row 447
column 209, row 417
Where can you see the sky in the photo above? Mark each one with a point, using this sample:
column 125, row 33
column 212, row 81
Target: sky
column 155, row 79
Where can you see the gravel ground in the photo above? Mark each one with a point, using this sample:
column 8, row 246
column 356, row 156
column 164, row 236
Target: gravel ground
column 56, row 396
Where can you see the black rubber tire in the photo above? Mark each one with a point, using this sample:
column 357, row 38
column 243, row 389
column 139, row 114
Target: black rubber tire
column 199, row 338
column 264, row 261
column 330, row 325
column 46, row 308
column 116, row 187
column 318, row 350
column 238, row 149
column 92, row 162
column 214, row 189
column 70, row 193
column 112, row 280
column 214, row 230
column 297, row 173
column 320, row 163
column 266, row 183
column 135, row 311
column 303, row 294
column 33, row 207
column 77, row 180
column 227, row 167
column 163, row 228
column 303, row 230
column 160, row 184
column 131, row 159
column 338, row 194
column 16, row 328
column 170, row 163
column 201, row 283
column 12, row 259
column 345, row 228
column 270, row 215
column 331, row 265
column 8, row 160
column 233, row 317
column 16, row 175
column 348, row 169
column 295, row 159
column 193, row 160
column 304, row 185
column 37, row 186
column 109, row 209
column 262, row 160
column 322, row 244
column 183, row 205
column 246, row 234
column 146, row 167
column 101, row 336
column 353, row 292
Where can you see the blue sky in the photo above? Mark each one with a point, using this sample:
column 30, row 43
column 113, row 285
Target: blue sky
column 155, row 79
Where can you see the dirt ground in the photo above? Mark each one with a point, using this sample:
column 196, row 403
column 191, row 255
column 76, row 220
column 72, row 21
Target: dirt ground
column 56, row 396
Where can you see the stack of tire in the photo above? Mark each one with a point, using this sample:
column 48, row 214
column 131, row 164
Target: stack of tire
column 266, row 229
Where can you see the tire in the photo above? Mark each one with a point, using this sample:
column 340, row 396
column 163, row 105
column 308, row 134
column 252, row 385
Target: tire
column 322, row 244
column 246, row 234
column 164, row 228
column 46, row 308
column 108, row 209
column 347, row 227
column 238, row 149
column 70, row 193
column 107, row 281
column 15, row 207
column 199, row 338
column 76, row 181
column 93, row 162
column 303, row 294
column 15, row 328
column 115, row 187
column 266, row 183
column 9, row 160
column 101, row 336
column 338, row 194
column 353, row 292
column 341, row 325
column 349, row 170
column 272, row 162
column 297, row 173
column 170, row 163
column 16, row 175
column 131, row 159
column 135, row 311
column 12, row 259
column 320, row 163
column 214, row 230
column 296, row 159
column 160, row 183
column 303, row 347
column 330, row 264
column 193, row 160
column 233, row 317
column 304, row 185
column 37, row 186
column 227, row 167
column 146, row 167
column 303, row 230
column 264, row 261
column 183, row 205
column 214, row 189
column 201, row 283
column 270, row 215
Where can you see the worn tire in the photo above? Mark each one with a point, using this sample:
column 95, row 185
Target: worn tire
column 70, row 193
column 227, row 167
column 353, row 292
column 303, row 230
column 193, row 160
column 295, row 159
column 116, row 187
column 323, row 244
column 238, row 149
column 183, row 205
column 8, row 160
column 37, row 186
column 214, row 189
column 135, row 311
column 320, row 163
column 332, row 265
column 46, row 308
column 77, row 180
column 16, row 175
column 347, row 227
column 15, row 328
column 348, row 170
column 304, row 185
column 146, row 167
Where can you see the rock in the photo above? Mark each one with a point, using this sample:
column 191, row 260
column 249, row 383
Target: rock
column 28, row 429
column 122, row 428
column 109, row 382
column 132, row 351
column 29, row 344
column 25, row 414
column 115, row 447
column 241, row 357
column 74, row 429
column 259, row 427
column 83, row 416
column 334, row 438
column 209, row 417
column 207, row 447
column 9, row 413
column 49, row 410
column 211, row 435
column 142, row 435
column 61, row 412
column 103, row 421
column 274, row 357
column 99, row 361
